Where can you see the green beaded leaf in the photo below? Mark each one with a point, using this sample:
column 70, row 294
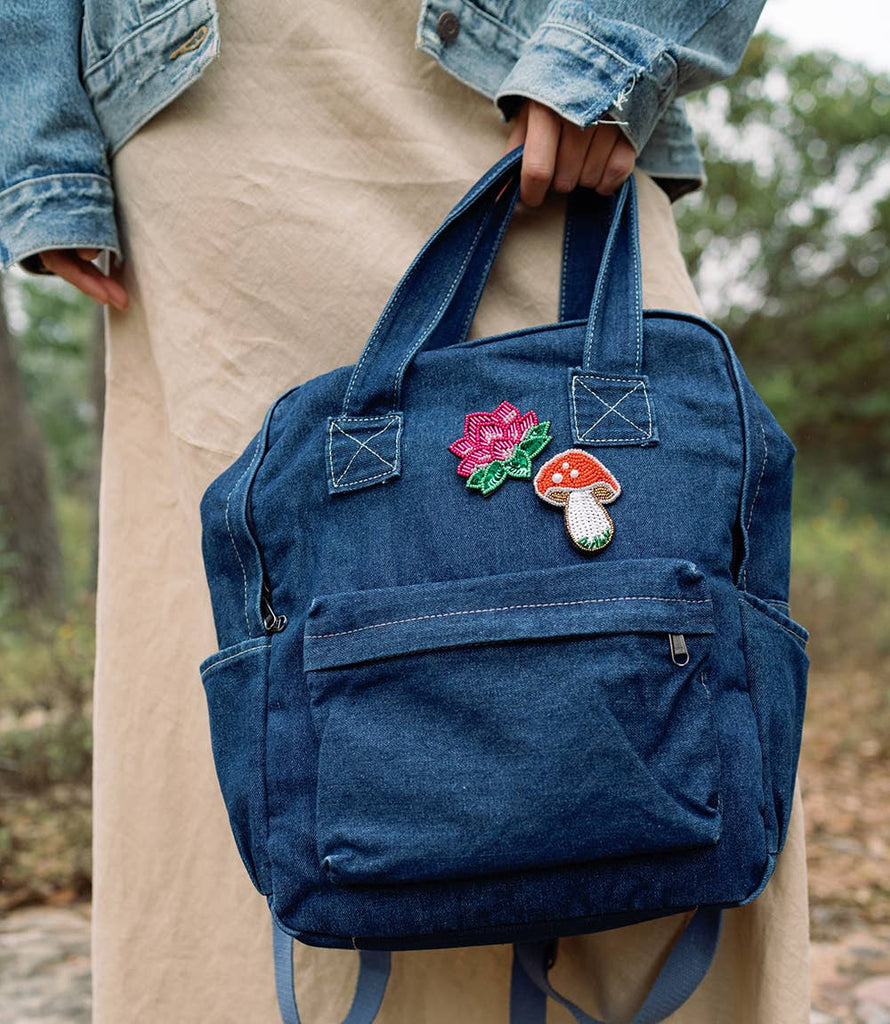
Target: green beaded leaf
column 535, row 440
column 519, row 464
column 532, row 446
column 476, row 478
column 538, row 430
column 495, row 475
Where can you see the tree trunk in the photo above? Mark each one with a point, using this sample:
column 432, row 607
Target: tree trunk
column 29, row 543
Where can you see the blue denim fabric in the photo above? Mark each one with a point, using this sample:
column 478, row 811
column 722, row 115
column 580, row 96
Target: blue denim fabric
column 79, row 77
column 468, row 730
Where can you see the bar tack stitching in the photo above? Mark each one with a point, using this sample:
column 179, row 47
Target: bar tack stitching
column 391, row 467
column 614, row 408
column 363, row 445
column 582, row 436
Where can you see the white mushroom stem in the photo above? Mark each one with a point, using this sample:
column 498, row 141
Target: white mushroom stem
column 589, row 524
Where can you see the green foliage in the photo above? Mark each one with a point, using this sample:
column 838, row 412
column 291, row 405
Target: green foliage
column 7, row 562
column 55, row 351
column 841, row 586
column 45, row 755
column 794, row 224
column 48, row 665
column 57, row 750
column 45, row 848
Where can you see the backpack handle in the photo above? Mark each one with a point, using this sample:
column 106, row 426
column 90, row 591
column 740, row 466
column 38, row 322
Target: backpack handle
column 455, row 263
column 434, row 302
column 587, row 219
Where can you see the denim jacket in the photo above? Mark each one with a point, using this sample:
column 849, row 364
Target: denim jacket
column 79, row 77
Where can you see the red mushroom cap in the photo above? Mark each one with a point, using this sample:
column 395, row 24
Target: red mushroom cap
column 574, row 470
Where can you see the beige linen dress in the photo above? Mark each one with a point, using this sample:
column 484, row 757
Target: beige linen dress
column 267, row 214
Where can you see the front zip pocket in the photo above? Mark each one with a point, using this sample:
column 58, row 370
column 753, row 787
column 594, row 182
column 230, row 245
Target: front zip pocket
column 509, row 722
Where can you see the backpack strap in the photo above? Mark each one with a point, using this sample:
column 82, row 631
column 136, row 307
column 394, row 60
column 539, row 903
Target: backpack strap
column 587, row 219
column 373, row 974
column 680, row 976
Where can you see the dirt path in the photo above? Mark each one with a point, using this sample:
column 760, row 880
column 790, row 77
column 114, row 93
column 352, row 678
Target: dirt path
column 846, row 799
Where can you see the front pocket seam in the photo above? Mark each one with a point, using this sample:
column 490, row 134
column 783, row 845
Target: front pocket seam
column 505, row 608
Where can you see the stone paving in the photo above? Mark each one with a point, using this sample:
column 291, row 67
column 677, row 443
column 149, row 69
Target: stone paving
column 45, row 965
column 851, row 978
column 45, row 971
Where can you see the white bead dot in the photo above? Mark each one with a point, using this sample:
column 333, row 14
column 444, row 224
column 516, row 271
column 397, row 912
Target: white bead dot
column 557, row 478
column 574, row 474
column 565, row 465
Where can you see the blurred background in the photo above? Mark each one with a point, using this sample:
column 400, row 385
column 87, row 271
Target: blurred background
column 789, row 248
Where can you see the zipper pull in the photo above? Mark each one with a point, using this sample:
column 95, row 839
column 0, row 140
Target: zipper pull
column 679, row 650
column 272, row 623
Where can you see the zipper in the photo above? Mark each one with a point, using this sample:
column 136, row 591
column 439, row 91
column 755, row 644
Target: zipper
column 679, row 650
column 272, row 623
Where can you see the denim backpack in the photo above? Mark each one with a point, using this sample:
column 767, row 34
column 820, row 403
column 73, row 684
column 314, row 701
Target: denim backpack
column 504, row 644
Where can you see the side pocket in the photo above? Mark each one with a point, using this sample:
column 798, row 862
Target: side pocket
column 777, row 666
column 235, row 686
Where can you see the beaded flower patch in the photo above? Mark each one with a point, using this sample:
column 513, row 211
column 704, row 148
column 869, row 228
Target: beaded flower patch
column 497, row 445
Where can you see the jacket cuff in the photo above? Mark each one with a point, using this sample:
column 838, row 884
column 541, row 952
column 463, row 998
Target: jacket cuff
column 671, row 155
column 573, row 64
column 58, row 211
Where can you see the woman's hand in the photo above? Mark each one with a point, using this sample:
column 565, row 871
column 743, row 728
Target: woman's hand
column 76, row 267
column 561, row 154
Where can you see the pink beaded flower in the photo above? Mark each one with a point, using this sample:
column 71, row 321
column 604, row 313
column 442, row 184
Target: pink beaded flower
column 499, row 444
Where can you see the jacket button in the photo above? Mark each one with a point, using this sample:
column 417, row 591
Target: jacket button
column 448, row 26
